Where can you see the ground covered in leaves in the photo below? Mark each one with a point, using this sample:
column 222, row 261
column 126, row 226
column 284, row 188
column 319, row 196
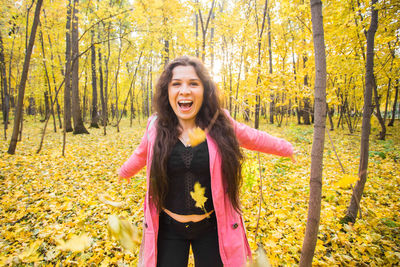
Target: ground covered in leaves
column 47, row 200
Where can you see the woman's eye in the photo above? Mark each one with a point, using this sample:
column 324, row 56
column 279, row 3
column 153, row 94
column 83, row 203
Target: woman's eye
column 194, row 84
column 175, row 84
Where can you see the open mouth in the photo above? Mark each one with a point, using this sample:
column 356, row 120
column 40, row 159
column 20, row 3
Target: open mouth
column 185, row 104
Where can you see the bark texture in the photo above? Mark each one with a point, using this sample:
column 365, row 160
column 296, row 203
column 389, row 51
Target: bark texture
column 394, row 104
column 5, row 97
column 314, row 208
column 79, row 128
column 67, row 87
column 95, row 115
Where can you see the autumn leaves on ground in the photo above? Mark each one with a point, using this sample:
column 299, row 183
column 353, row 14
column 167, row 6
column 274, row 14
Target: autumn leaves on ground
column 48, row 200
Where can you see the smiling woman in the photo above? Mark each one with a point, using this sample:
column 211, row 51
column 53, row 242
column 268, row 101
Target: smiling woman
column 192, row 194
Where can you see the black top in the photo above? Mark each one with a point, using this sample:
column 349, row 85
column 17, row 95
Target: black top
column 186, row 167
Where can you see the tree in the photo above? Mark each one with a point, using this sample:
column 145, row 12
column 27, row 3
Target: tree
column 79, row 128
column 5, row 97
column 314, row 207
column 353, row 208
column 204, row 27
column 259, row 39
column 68, row 60
column 394, row 103
column 95, row 115
column 21, row 88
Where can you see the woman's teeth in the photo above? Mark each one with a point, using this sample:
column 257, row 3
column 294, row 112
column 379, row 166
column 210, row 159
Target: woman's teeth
column 185, row 103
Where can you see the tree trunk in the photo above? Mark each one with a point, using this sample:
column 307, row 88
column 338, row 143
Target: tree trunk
column 24, row 76
column 103, row 103
column 47, row 95
column 387, row 100
column 330, row 115
column 95, row 115
column 85, row 99
column 196, row 21
column 352, row 210
column 46, row 105
column 237, row 85
column 272, row 103
column 5, row 97
column 106, row 70
column 204, row 28
column 378, row 114
column 212, row 45
column 79, row 128
column 68, row 60
column 116, row 77
column 313, row 218
column 53, row 76
column 259, row 39
column 306, row 112
column 394, row 104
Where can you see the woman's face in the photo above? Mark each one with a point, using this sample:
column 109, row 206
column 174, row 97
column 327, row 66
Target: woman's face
column 185, row 93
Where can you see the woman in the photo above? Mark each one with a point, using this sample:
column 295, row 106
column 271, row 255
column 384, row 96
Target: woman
column 192, row 193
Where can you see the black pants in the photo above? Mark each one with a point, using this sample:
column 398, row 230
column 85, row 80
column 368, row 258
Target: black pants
column 174, row 239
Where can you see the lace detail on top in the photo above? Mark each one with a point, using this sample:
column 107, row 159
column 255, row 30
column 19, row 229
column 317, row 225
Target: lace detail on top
column 186, row 167
column 187, row 156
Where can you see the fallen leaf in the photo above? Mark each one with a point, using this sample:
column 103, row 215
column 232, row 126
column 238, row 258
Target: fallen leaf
column 75, row 243
column 123, row 231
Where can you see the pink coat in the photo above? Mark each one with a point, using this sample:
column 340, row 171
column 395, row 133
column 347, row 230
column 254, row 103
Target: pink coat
column 233, row 245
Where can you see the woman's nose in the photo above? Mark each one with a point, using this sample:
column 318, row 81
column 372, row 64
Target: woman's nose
column 184, row 89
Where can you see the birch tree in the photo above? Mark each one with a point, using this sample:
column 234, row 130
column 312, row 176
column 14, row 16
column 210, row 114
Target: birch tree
column 314, row 205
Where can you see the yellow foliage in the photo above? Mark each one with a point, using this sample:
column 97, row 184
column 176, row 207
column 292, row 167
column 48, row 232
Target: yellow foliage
column 261, row 259
column 75, row 243
column 123, row 231
column 196, row 136
column 346, row 180
column 31, row 254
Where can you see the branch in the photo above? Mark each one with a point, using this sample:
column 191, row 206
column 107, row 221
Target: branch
column 209, row 14
column 102, row 20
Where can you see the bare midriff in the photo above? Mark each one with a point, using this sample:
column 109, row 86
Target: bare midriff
column 188, row 218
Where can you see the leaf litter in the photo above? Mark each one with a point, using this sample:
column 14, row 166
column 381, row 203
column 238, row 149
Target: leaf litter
column 56, row 209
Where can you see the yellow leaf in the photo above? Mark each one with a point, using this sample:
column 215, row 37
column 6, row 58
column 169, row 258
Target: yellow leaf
column 261, row 259
column 75, row 244
column 31, row 253
column 346, row 180
column 109, row 201
column 198, row 196
column 196, row 136
column 123, row 231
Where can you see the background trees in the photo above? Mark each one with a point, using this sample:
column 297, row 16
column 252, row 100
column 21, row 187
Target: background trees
column 225, row 35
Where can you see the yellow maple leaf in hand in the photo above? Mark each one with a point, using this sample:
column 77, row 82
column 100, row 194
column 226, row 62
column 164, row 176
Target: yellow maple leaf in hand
column 198, row 196
column 196, row 136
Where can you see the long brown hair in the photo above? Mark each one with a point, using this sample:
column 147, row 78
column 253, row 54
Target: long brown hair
column 168, row 133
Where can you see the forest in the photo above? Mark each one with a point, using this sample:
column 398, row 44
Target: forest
column 77, row 84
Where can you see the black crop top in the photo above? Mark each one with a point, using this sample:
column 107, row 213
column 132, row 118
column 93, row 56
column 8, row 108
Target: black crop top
column 188, row 166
